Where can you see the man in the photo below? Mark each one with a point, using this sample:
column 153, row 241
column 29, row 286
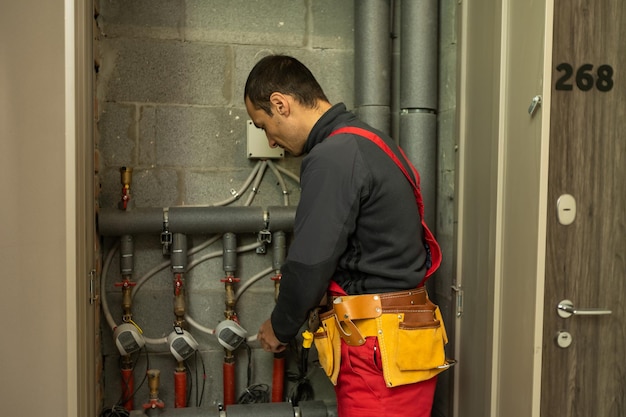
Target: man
column 357, row 228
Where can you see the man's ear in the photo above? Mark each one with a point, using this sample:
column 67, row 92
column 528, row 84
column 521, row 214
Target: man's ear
column 280, row 103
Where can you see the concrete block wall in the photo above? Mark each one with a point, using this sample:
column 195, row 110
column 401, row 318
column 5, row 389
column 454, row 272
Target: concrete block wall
column 170, row 78
column 169, row 88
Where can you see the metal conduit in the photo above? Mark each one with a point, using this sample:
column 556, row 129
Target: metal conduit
column 372, row 63
column 195, row 220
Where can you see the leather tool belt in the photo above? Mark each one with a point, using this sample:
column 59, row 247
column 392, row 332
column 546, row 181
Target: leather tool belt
column 409, row 328
column 360, row 307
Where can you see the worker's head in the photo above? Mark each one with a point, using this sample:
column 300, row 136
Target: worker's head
column 282, row 74
column 285, row 100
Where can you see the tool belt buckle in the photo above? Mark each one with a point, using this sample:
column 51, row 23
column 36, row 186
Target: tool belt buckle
column 355, row 308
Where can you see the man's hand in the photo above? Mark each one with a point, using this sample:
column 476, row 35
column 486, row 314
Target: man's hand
column 268, row 340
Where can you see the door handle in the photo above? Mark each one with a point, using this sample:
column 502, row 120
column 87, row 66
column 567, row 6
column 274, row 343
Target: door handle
column 566, row 309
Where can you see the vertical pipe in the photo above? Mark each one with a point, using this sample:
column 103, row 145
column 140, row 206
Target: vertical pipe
column 396, row 35
column 179, row 266
column 229, row 383
column 229, row 264
column 154, row 380
column 178, row 259
column 180, row 389
column 278, row 379
column 279, row 251
column 372, row 62
column 128, row 386
column 127, row 265
column 418, row 95
column 418, row 50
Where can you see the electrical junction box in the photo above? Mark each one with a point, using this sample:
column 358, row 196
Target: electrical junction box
column 258, row 148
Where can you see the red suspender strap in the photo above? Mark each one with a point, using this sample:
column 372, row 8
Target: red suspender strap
column 432, row 245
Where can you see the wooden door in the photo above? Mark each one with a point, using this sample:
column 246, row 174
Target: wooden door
column 586, row 260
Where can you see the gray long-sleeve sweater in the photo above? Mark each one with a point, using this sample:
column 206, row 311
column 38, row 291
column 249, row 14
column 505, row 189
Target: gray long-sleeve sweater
column 357, row 223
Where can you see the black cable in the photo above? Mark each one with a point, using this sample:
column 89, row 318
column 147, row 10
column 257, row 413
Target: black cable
column 257, row 393
column 249, row 368
column 302, row 389
column 203, row 381
column 122, row 400
column 115, row 411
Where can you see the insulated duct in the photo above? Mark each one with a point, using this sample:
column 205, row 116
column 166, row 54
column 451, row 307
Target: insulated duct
column 304, row 409
column 372, row 63
column 195, row 220
column 395, row 50
column 418, row 94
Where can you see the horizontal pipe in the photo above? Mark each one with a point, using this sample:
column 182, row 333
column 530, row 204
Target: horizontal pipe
column 196, row 220
column 314, row 408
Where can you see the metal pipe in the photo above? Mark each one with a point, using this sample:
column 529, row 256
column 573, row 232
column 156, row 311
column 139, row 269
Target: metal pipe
column 196, row 220
column 372, row 63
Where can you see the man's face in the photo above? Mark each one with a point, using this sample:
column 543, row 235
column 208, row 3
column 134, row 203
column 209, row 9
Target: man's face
column 278, row 129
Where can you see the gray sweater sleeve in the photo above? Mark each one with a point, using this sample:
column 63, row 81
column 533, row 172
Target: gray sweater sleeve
column 332, row 180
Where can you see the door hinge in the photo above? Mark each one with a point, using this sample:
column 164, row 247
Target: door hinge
column 92, row 286
column 459, row 299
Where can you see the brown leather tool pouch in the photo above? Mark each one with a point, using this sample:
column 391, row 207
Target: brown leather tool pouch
column 328, row 344
column 412, row 344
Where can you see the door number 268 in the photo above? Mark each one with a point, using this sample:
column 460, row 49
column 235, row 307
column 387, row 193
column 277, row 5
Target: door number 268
column 585, row 79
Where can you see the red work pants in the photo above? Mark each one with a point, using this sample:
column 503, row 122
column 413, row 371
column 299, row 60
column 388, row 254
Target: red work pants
column 361, row 389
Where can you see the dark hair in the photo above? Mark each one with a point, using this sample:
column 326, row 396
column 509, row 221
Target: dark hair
column 283, row 74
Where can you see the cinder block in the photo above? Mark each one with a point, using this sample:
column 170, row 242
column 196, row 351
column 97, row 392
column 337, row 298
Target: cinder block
column 200, row 137
column 117, row 132
column 245, row 22
column 141, row 18
column 163, row 71
column 333, row 24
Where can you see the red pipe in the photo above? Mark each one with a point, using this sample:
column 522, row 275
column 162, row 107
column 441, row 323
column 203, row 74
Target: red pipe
column 278, row 378
column 128, row 385
column 229, row 383
column 180, row 389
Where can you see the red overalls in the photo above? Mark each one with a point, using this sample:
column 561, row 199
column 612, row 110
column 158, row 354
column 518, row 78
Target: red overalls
column 361, row 390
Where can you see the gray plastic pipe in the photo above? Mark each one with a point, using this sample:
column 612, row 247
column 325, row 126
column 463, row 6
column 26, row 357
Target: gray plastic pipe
column 418, row 94
column 196, row 220
column 401, row 57
column 179, row 254
column 372, row 63
column 127, row 250
column 303, row 409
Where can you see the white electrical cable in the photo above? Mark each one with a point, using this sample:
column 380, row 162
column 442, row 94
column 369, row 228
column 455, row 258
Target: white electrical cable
column 251, row 281
column 105, row 304
column 281, row 182
column 198, row 326
column 235, row 194
column 103, row 294
column 288, row 173
column 257, row 182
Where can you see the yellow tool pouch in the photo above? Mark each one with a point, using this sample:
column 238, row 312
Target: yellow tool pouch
column 412, row 344
column 328, row 345
column 409, row 327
